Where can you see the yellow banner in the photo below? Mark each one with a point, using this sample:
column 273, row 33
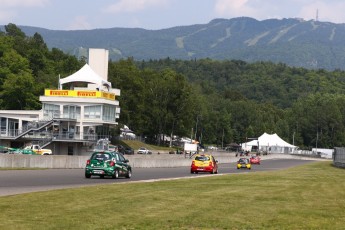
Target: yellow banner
column 79, row 93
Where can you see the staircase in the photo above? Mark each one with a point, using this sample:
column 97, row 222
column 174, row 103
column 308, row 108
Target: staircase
column 35, row 129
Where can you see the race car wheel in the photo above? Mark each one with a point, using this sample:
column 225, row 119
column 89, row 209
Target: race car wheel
column 129, row 174
column 87, row 175
column 116, row 174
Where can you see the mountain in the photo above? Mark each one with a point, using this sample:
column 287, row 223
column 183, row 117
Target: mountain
column 296, row 42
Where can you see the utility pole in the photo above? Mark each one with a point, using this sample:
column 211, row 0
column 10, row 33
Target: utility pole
column 201, row 137
column 191, row 136
column 317, row 137
column 196, row 125
column 222, row 138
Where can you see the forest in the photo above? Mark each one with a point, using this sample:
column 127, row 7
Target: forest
column 215, row 102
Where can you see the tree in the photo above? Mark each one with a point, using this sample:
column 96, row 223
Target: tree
column 19, row 37
column 19, row 92
column 319, row 120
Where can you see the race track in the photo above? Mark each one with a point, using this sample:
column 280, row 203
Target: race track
column 25, row 181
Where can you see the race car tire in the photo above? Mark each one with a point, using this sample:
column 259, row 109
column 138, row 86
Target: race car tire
column 116, row 174
column 129, row 174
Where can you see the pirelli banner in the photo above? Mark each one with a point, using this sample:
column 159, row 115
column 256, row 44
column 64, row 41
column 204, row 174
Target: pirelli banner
column 79, row 93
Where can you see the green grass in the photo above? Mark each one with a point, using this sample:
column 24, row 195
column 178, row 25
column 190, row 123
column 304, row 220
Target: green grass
column 137, row 144
column 311, row 196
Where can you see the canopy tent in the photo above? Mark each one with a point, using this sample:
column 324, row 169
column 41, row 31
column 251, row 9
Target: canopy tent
column 270, row 142
column 85, row 74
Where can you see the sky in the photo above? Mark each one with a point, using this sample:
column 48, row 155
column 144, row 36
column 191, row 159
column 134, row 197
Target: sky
column 158, row 14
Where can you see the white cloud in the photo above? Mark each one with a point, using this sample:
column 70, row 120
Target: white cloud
column 22, row 3
column 233, row 8
column 133, row 5
column 10, row 9
column 5, row 14
column 79, row 23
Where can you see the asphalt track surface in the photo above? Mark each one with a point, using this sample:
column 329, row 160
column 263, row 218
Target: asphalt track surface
column 25, row 181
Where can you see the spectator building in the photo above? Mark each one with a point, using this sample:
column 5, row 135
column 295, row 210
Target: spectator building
column 82, row 110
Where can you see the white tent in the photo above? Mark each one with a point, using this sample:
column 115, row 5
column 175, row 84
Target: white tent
column 270, row 143
column 85, row 74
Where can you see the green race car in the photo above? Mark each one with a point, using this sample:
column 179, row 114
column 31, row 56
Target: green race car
column 106, row 163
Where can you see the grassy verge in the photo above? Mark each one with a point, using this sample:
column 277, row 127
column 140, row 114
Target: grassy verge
column 304, row 197
column 137, row 144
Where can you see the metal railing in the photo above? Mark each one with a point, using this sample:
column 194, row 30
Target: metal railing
column 44, row 136
column 137, row 138
column 35, row 125
column 28, row 128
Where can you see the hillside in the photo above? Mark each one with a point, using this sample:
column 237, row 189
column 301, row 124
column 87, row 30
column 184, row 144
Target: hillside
column 309, row 44
column 215, row 101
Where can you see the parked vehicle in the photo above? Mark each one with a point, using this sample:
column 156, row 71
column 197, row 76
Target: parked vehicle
column 106, row 163
column 143, row 150
column 204, row 163
column 212, row 147
column 190, row 149
column 112, row 148
column 38, row 150
column 121, row 149
column 8, row 150
column 129, row 151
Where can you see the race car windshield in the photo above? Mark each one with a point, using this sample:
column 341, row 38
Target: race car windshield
column 100, row 156
column 202, row 158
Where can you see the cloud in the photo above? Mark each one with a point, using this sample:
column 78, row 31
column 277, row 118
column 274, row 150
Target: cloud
column 5, row 14
column 233, row 8
column 79, row 23
column 9, row 9
column 133, row 5
column 22, row 3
